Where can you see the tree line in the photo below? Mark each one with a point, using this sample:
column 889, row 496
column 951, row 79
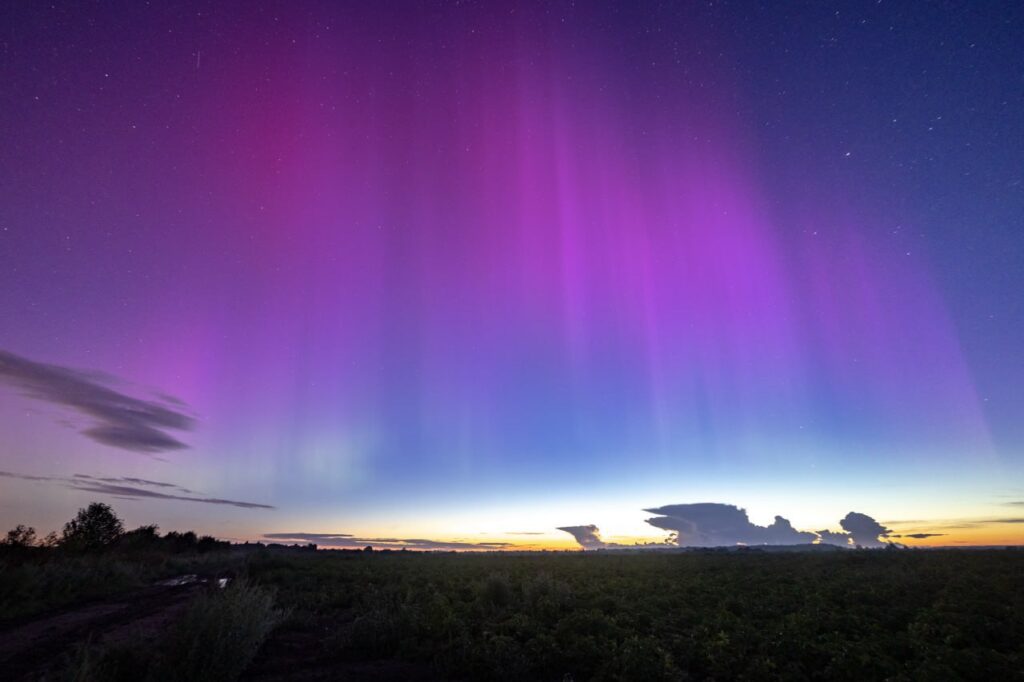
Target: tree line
column 96, row 528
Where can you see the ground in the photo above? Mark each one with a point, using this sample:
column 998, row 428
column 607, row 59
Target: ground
column 855, row 615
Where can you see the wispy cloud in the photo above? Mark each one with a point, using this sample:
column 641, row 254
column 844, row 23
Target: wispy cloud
column 133, row 489
column 122, row 480
column 347, row 541
column 26, row 477
column 120, row 420
column 924, row 526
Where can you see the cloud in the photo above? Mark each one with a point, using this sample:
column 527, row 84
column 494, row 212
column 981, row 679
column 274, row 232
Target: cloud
column 864, row 530
column 120, row 480
column 525, row 532
column 711, row 524
column 26, row 477
column 130, row 492
column 589, row 537
column 929, row 527
column 919, row 536
column 122, row 488
column 347, row 541
column 121, row 421
column 323, row 538
column 828, row 537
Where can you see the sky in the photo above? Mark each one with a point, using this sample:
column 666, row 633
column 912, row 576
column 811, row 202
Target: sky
column 467, row 274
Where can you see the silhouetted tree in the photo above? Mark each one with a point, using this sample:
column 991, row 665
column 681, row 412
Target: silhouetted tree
column 93, row 528
column 143, row 537
column 181, row 542
column 208, row 543
column 20, row 536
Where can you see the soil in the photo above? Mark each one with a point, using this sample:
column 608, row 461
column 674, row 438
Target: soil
column 30, row 648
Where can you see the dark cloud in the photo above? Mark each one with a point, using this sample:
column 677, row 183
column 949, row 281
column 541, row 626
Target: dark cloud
column 524, row 532
column 919, row 536
column 323, row 538
column 122, row 488
column 121, row 421
column 346, row 541
column 964, row 524
column 130, row 492
column 828, row 537
column 26, row 477
column 864, row 530
column 589, row 537
column 710, row 524
column 121, row 480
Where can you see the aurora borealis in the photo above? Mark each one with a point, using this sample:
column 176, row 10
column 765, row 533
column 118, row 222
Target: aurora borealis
column 474, row 271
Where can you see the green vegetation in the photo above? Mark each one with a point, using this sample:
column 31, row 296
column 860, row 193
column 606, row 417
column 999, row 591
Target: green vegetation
column 857, row 615
column 94, row 558
column 651, row 615
column 215, row 640
column 93, row 528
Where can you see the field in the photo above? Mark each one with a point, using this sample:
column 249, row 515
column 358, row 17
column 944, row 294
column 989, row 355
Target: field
column 850, row 615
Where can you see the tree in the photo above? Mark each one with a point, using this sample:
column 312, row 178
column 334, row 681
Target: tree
column 20, row 536
column 143, row 537
column 181, row 542
column 95, row 527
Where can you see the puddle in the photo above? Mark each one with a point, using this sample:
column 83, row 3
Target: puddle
column 180, row 580
column 190, row 579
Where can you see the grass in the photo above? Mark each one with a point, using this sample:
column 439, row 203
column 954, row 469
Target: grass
column 858, row 615
column 214, row 641
column 48, row 579
column 30, row 588
column 220, row 634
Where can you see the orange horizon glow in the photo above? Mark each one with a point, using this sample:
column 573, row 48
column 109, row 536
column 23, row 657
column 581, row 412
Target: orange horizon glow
column 988, row 535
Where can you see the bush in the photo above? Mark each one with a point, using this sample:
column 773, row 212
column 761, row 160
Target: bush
column 214, row 641
column 219, row 634
column 28, row 587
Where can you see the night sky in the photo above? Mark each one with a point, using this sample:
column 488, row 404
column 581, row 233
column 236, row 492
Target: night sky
column 442, row 274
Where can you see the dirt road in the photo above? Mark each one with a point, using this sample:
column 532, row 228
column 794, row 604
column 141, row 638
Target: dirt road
column 32, row 647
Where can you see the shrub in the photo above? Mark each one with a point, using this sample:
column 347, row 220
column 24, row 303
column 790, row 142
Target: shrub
column 125, row 662
column 32, row 587
column 219, row 634
column 496, row 593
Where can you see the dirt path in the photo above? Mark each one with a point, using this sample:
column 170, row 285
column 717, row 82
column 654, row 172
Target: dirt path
column 31, row 648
